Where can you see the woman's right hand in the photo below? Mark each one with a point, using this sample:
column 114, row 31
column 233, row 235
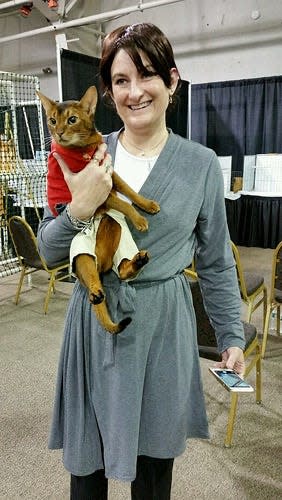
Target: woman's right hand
column 91, row 186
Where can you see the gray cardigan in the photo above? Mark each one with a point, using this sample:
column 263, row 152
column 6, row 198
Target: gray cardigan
column 142, row 390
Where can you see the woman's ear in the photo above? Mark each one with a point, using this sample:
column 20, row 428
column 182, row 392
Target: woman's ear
column 174, row 77
column 108, row 97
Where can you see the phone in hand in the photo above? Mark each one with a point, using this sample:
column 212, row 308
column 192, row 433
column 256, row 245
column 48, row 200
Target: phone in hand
column 231, row 380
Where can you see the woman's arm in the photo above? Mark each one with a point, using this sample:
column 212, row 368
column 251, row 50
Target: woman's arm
column 216, row 268
column 54, row 237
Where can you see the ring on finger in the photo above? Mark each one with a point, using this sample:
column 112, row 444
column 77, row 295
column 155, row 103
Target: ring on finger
column 107, row 165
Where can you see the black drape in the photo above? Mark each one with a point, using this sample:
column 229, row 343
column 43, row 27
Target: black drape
column 80, row 71
column 242, row 117
column 255, row 221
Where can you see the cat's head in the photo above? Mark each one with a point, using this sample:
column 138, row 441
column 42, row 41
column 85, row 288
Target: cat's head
column 71, row 123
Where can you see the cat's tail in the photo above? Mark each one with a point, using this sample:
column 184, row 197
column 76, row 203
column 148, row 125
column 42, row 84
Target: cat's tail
column 104, row 319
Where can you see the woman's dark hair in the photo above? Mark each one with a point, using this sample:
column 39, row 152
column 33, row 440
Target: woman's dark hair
column 134, row 38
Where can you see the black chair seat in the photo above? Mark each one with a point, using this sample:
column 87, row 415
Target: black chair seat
column 207, row 343
column 253, row 282
column 278, row 295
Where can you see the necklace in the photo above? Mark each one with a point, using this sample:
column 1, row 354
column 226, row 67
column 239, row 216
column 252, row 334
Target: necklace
column 143, row 151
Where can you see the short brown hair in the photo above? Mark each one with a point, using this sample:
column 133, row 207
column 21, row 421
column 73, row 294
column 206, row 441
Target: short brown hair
column 145, row 37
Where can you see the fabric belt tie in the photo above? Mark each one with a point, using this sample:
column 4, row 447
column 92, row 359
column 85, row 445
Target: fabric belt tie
column 121, row 297
column 122, row 300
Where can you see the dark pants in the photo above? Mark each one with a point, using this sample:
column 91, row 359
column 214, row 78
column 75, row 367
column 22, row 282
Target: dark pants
column 153, row 482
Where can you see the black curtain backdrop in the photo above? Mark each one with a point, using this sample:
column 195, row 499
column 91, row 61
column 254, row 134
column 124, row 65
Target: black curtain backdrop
column 255, row 221
column 80, row 72
column 242, row 117
column 237, row 118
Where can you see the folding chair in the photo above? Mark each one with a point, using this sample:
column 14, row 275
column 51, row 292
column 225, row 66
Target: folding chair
column 252, row 287
column 208, row 349
column 30, row 260
column 275, row 295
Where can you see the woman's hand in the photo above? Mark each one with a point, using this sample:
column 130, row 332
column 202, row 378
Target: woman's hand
column 233, row 358
column 91, row 186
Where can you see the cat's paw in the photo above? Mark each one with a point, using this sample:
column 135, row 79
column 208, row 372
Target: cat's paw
column 141, row 223
column 97, row 297
column 153, row 207
column 140, row 259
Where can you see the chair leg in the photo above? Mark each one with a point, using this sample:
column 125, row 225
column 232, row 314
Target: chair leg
column 258, row 375
column 20, row 285
column 264, row 306
column 231, row 420
column 265, row 331
column 49, row 291
column 278, row 320
column 250, row 311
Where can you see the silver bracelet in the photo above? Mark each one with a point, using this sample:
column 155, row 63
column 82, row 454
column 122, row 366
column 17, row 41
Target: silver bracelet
column 79, row 223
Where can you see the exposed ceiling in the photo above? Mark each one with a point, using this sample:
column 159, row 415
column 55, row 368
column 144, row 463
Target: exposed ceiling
column 217, row 34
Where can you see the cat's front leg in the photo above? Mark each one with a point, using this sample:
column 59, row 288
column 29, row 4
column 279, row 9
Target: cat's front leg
column 149, row 206
column 128, row 210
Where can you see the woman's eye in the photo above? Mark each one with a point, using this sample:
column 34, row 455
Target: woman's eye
column 72, row 120
column 52, row 121
column 120, row 81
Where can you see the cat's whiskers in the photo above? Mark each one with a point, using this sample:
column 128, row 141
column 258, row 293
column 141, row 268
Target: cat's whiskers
column 48, row 140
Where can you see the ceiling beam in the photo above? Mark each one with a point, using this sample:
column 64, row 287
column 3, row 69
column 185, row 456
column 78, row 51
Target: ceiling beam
column 104, row 16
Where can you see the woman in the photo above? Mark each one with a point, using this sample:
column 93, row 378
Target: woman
column 125, row 405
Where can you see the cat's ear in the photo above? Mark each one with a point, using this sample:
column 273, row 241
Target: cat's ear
column 89, row 100
column 47, row 103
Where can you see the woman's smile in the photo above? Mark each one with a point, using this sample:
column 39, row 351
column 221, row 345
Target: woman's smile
column 142, row 105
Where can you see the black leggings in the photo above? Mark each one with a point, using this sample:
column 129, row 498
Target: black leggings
column 153, row 482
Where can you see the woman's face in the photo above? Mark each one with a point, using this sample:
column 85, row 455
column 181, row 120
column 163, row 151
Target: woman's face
column 141, row 101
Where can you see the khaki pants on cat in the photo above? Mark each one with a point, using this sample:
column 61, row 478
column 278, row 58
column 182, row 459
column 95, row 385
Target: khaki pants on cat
column 85, row 242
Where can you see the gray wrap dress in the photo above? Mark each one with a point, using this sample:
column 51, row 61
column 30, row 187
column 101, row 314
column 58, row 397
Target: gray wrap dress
column 141, row 390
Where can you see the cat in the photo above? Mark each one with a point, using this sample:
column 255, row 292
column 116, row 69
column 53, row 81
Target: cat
column 7, row 156
column 72, row 128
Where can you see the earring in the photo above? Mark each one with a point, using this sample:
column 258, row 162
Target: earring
column 170, row 99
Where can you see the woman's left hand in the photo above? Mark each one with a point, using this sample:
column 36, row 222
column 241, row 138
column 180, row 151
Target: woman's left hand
column 233, row 358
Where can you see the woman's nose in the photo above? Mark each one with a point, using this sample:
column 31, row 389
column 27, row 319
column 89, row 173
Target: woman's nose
column 135, row 89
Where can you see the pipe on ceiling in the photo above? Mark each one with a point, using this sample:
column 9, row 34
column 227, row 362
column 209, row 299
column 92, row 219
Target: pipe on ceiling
column 59, row 26
column 12, row 3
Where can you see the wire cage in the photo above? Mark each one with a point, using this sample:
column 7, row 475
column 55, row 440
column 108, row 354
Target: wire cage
column 263, row 174
column 23, row 159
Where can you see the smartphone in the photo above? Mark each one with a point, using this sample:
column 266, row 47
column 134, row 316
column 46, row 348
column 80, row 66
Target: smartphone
column 231, row 380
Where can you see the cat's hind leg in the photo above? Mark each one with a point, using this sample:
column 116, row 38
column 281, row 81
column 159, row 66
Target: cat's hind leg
column 128, row 269
column 87, row 273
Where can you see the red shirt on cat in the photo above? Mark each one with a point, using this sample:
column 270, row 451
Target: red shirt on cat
column 76, row 159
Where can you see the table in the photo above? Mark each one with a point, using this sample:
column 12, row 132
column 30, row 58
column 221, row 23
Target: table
column 255, row 221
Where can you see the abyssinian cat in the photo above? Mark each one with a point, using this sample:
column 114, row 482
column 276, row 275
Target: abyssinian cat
column 7, row 155
column 71, row 125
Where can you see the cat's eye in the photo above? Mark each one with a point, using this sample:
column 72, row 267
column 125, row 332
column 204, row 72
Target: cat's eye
column 52, row 121
column 72, row 120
